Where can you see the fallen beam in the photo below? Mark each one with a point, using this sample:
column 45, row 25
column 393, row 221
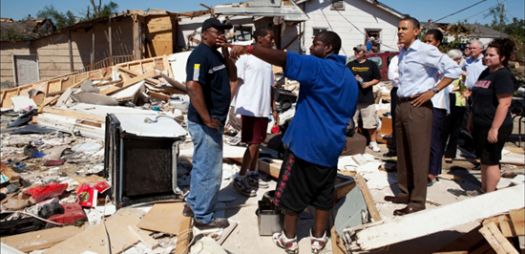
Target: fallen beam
column 434, row 220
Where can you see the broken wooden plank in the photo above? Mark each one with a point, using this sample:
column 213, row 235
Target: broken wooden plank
column 159, row 96
column 271, row 167
column 49, row 85
column 127, row 83
column 497, row 241
column 41, row 239
column 452, row 252
column 48, row 101
column 337, row 247
column 504, row 226
column 155, row 219
column 517, row 217
column 143, row 236
column 52, row 99
column 131, row 74
column 436, row 219
column 508, row 227
column 73, row 114
column 227, row 232
column 370, row 203
column 184, row 236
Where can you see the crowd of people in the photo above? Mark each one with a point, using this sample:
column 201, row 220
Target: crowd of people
column 430, row 88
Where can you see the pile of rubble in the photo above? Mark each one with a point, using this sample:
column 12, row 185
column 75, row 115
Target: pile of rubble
column 66, row 143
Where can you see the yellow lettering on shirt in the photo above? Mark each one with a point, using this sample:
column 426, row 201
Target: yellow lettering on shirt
column 360, row 69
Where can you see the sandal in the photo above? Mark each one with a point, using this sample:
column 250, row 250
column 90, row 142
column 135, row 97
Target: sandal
column 289, row 245
column 318, row 243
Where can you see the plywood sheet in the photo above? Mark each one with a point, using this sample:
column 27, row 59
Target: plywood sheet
column 164, row 217
column 95, row 239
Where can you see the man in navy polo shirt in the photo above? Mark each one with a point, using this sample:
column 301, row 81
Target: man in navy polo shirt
column 316, row 135
column 208, row 81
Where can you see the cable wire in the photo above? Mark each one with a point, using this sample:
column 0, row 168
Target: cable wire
column 461, row 10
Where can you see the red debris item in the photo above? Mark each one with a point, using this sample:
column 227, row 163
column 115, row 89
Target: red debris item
column 73, row 215
column 87, row 195
column 52, row 163
column 42, row 192
column 276, row 129
column 102, row 186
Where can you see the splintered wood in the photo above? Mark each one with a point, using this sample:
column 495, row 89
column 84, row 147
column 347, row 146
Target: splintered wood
column 497, row 241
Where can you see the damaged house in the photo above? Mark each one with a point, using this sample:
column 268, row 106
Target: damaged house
column 87, row 45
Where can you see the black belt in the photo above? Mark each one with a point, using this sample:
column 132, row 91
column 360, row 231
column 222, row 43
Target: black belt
column 404, row 99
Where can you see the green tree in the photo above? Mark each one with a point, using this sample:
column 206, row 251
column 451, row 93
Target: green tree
column 99, row 10
column 516, row 29
column 60, row 19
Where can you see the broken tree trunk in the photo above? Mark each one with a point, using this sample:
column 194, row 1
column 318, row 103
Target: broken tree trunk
column 435, row 220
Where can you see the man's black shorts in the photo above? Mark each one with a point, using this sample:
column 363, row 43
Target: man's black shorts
column 302, row 183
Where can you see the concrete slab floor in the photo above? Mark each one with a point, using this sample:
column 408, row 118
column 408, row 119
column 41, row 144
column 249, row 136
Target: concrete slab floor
column 458, row 177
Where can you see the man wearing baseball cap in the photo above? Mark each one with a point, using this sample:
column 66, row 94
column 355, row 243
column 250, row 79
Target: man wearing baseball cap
column 367, row 75
column 208, row 81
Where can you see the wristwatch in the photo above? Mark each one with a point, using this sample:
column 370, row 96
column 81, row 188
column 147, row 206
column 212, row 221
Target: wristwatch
column 435, row 89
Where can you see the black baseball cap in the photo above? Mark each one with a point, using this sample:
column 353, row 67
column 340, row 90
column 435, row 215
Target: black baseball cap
column 215, row 23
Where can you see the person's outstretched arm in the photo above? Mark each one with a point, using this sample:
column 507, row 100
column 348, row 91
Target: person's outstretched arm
column 272, row 56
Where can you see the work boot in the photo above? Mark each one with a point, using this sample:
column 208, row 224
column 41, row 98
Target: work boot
column 215, row 223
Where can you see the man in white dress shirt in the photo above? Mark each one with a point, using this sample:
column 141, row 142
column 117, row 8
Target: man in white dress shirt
column 474, row 63
column 419, row 64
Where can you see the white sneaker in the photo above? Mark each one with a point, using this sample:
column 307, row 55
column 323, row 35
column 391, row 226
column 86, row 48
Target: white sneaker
column 374, row 147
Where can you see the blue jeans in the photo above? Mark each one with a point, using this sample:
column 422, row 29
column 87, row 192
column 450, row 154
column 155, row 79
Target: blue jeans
column 206, row 174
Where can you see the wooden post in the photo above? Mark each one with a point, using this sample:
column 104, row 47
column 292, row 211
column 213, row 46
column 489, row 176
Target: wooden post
column 137, row 37
column 110, row 43
column 70, row 47
column 92, row 60
column 174, row 32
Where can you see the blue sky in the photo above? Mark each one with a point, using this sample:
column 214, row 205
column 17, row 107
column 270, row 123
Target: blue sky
column 421, row 9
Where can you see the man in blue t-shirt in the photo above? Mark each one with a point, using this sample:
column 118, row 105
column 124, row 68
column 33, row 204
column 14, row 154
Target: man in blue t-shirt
column 208, row 81
column 316, row 135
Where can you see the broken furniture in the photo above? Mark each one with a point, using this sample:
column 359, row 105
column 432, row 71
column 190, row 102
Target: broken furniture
column 140, row 157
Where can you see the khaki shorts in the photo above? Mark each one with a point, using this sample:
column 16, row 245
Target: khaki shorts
column 368, row 115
